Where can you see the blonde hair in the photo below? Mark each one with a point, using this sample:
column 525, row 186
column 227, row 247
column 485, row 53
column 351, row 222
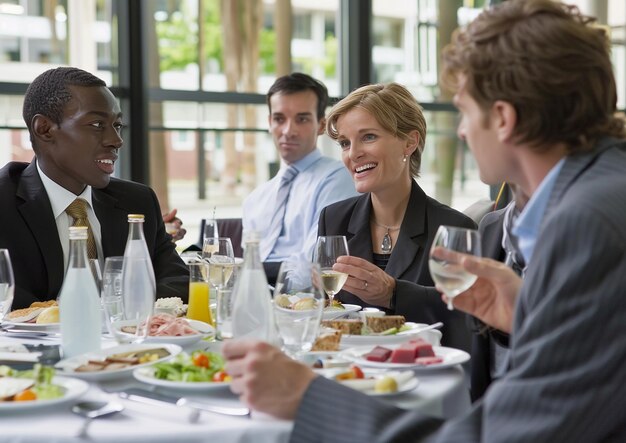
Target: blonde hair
column 395, row 109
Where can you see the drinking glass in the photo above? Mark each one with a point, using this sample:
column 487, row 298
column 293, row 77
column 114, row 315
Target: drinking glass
column 198, row 308
column 7, row 283
column 298, row 305
column 327, row 249
column 138, row 295
column 218, row 252
column 111, row 297
column 447, row 273
column 210, row 229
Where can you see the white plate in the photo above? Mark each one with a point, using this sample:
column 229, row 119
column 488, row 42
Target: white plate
column 146, row 375
column 67, row 366
column 406, row 381
column 73, row 389
column 204, row 330
column 331, row 314
column 33, row 326
column 451, row 357
column 431, row 336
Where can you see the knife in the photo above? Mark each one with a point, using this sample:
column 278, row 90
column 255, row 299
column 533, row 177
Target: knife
column 156, row 398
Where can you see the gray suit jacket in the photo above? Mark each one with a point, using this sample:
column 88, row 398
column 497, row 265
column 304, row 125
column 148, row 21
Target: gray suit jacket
column 568, row 353
column 29, row 231
column 415, row 295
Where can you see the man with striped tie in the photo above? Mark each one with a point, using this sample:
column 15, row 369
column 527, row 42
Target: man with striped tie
column 75, row 127
column 285, row 210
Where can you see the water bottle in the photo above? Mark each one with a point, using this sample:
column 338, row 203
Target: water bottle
column 252, row 303
column 79, row 304
column 138, row 282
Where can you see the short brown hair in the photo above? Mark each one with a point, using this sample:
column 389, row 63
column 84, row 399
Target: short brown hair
column 547, row 60
column 395, row 109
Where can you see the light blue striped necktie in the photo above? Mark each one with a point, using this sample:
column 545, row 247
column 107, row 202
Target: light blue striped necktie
column 276, row 227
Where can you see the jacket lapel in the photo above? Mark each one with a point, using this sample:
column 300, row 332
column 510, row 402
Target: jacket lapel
column 110, row 215
column 37, row 213
column 411, row 230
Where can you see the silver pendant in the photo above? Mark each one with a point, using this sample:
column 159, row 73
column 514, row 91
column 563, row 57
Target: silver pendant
column 386, row 244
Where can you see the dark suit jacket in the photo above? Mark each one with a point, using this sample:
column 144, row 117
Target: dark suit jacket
column 29, row 233
column 566, row 376
column 415, row 296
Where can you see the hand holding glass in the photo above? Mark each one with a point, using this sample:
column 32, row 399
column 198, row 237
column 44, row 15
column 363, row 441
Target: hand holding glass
column 448, row 274
column 327, row 249
column 298, row 305
column 7, row 283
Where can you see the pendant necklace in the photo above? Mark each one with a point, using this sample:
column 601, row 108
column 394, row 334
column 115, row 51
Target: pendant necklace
column 386, row 245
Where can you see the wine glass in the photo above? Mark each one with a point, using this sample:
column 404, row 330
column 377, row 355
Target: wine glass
column 210, row 229
column 7, row 283
column 298, row 305
column 111, row 297
column 218, row 252
column 327, row 249
column 448, row 273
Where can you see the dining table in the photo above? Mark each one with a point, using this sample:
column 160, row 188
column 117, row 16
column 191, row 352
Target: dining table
column 441, row 393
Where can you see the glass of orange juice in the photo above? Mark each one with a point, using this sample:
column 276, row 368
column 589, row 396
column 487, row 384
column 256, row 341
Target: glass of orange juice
column 198, row 308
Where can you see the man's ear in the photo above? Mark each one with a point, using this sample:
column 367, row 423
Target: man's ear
column 43, row 128
column 322, row 126
column 504, row 119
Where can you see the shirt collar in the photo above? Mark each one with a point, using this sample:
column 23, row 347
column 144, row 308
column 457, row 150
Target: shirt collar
column 60, row 198
column 307, row 161
column 528, row 223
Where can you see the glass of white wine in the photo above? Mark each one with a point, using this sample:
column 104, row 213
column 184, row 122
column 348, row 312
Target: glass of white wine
column 218, row 252
column 298, row 305
column 327, row 250
column 447, row 273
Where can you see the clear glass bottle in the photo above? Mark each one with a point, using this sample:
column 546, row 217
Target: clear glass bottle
column 138, row 281
column 252, row 302
column 79, row 303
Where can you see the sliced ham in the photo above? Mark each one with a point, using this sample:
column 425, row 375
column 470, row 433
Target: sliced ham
column 168, row 325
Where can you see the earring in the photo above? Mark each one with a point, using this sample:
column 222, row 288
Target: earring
column 404, row 159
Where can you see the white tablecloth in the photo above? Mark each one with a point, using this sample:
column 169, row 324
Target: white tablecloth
column 440, row 393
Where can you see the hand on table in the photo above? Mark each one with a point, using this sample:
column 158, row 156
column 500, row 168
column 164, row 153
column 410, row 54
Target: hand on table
column 265, row 379
column 366, row 280
column 174, row 227
column 492, row 297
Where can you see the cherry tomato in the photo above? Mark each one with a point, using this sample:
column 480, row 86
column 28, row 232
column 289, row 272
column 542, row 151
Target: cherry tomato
column 27, row 395
column 201, row 360
column 221, row 376
column 358, row 373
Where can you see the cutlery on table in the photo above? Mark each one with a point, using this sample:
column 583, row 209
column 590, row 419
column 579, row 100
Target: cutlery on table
column 418, row 330
column 151, row 397
column 94, row 409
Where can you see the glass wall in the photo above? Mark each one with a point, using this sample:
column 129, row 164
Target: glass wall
column 197, row 78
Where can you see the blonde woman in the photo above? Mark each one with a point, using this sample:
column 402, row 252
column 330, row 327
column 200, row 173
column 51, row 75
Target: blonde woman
column 381, row 131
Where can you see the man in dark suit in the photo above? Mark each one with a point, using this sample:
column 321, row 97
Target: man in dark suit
column 75, row 126
column 537, row 97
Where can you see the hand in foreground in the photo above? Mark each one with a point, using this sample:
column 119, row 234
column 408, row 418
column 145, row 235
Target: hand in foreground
column 174, row 225
column 265, row 379
column 492, row 297
column 366, row 280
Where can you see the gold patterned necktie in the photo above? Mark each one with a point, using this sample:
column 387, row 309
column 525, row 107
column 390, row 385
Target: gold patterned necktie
column 78, row 211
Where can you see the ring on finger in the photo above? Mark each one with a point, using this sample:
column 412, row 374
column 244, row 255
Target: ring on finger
column 364, row 284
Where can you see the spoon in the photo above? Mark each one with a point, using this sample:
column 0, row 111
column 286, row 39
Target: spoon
column 425, row 328
column 94, row 409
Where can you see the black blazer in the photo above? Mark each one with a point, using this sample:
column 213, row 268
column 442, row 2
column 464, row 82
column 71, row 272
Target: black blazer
column 28, row 230
column 415, row 295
